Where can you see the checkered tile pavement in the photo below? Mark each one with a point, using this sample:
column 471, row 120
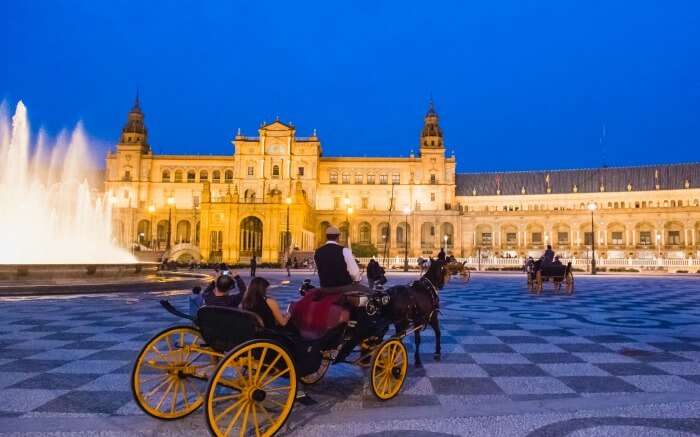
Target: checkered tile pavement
column 615, row 336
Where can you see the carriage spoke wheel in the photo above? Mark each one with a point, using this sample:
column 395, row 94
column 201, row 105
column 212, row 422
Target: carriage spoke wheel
column 169, row 379
column 252, row 391
column 389, row 366
column 570, row 283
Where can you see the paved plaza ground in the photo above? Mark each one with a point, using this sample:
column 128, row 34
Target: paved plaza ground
column 620, row 357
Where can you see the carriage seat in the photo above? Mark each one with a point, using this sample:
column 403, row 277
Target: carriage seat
column 554, row 270
column 317, row 312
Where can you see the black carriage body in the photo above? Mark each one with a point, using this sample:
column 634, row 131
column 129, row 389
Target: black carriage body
column 224, row 328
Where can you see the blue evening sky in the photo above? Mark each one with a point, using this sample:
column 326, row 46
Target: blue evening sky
column 518, row 84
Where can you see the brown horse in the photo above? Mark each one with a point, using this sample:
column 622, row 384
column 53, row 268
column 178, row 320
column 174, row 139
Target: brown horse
column 417, row 305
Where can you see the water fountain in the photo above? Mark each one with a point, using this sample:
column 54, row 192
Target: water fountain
column 51, row 220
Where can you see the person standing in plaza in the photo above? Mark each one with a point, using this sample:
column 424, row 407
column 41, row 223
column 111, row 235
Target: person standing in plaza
column 253, row 266
column 288, row 265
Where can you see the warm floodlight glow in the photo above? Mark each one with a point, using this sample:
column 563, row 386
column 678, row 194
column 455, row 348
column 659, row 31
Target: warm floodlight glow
column 347, row 201
column 171, row 201
column 350, row 210
column 407, row 210
column 592, row 206
column 288, row 200
column 151, row 208
column 50, row 215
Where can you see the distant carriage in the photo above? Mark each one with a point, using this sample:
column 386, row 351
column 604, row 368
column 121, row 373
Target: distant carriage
column 557, row 274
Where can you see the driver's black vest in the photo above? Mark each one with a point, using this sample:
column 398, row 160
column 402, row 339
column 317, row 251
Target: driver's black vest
column 330, row 263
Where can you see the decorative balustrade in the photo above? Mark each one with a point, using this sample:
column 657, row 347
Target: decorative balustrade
column 673, row 263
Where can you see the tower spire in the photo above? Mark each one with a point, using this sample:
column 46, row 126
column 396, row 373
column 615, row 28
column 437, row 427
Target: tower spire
column 431, row 135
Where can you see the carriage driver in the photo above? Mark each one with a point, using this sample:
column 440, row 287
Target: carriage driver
column 337, row 269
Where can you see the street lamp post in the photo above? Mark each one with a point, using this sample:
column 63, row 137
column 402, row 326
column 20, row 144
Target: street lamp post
column 406, row 212
column 287, row 240
column 171, row 202
column 658, row 245
column 592, row 207
column 445, row 245
column 151, row 211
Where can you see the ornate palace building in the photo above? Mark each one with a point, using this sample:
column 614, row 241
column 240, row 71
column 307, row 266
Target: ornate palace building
column 231, row 206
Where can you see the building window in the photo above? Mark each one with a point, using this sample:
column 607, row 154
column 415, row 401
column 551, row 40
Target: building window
column 165, row 176
column 563, row 237
column 203, row 176
column 537, row 238
column 486, row 238
column 336, row 203
column 588, row 238
column 616, row 238
column 346, row 178
column 432, row 197
column 178, row 175
column 370, row 179
column 251, row 170
column 433, row 178
column 358, row 178
column 300, row 171
column 275, row 171
column 645, row 238
column 191, row 175
column 511, row 238
column 383, row 179
column 216, row 176
column 365, row 203
column 395, row 179
column 127, row 175
column 333, row 178
column 228, row 176
column 674, row 237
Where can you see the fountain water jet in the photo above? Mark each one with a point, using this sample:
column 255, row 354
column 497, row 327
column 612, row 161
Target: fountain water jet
column 50, row 215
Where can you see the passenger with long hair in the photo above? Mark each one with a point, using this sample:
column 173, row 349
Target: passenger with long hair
column 256, row 300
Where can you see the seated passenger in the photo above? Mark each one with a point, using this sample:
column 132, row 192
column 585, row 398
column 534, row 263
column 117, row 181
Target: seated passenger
column 218, row 293
column 337, row 269
column 256, row 300
column 557, row 261
column 548, row 256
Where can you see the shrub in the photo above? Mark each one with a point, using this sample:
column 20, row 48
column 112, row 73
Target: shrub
column 364, row 250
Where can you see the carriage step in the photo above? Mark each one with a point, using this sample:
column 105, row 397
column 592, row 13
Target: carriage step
column 305, row 399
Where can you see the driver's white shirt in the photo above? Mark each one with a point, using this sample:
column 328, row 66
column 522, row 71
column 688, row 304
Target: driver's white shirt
column 353, row 268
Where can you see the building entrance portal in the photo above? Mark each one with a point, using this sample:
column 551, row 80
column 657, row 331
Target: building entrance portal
column 251, row 237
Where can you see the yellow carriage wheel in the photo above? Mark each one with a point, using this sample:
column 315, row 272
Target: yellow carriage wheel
column 389, row 366
column 252, row 391
column 169, row 379
column 318, row 375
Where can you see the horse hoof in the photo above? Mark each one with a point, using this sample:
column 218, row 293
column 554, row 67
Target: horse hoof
column 418, row 365
column 437, row 357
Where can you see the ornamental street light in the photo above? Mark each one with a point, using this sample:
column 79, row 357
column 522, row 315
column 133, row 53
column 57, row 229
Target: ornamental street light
column 658, row 244
column 445, row 245
column 171, row 202
column 407, row 212
column 592, row 207
column 151, row 211
column 287, row 240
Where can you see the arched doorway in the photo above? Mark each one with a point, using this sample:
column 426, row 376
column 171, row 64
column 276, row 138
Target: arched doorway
column 183, row 232
column 251, row 237
column 162, row 234
column 143, row 233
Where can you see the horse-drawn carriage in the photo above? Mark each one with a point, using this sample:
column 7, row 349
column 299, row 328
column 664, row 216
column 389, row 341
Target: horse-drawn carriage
column 246, row 375
column 558, row 274
column 454, row 267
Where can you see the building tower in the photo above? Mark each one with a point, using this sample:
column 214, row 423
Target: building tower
column 431, row 135
column 134, row 132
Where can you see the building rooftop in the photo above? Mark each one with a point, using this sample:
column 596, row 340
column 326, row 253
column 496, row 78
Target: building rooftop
column 609, row 179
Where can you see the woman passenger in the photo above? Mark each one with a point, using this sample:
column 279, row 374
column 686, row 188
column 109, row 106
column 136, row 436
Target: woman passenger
column 255, row 299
